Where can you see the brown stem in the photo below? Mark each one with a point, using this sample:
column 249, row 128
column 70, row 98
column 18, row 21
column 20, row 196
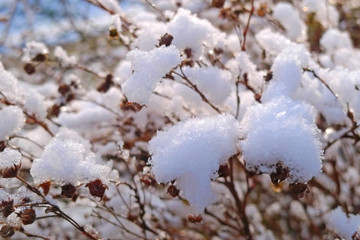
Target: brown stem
column 246, row 30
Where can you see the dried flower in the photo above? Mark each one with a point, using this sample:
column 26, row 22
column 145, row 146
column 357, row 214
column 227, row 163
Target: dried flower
column 280, row 174
column 29, row 68
column 97, row 188
column 6, row 231
column 173, row 191
column 7, row 207
column 68, row 190
column 218, row 3
column 148, row 180
column 298, row 189
column 166, row 40
column 10, row 172
column 28, row 216
column 195, row 218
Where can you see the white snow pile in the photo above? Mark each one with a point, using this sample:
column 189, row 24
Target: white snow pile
column 148, row 69
column 33, row 49
column 63, row 57
column 192, row 32
column 282, row 129
column 66, row 159
column 212, row 81
column 344, row 225
column 9, row 158
column 191, row 153
column 12, row 119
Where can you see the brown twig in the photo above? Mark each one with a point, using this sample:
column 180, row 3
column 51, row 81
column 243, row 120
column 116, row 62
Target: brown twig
column 246, row 30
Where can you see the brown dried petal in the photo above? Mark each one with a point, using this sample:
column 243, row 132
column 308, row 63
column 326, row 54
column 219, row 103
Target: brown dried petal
column 68, row 190
column 195, row 218
column 28, row 216
column 97, row 188
column 6, row 231
column 173, row 191
column 10, row 172
column 7, row 207
column 166, row 40
column 46, row 187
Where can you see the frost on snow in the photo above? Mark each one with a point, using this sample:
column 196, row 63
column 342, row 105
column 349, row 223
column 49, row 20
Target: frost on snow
column 148, row 69
column 344, row 225
column 191, row 153
column 66, row 160
column 12, row 119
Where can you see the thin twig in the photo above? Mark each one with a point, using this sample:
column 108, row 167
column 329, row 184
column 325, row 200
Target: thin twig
column 246, row 30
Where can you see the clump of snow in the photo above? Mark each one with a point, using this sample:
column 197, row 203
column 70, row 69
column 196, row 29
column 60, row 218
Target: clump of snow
column 148, row 69
column 4, row 196
column 63, row 57
column 212, row 81
column 34, row 105
column 191, row 152
column 282, row 130
column 344, row 225
column 149, row 35
column 9, row 158
column 12, row 119
column 333, row 40
column 64, row 161
column 9, row 86
column 33, row 49
column 191, row 32
column 289, row 18
column 324, row 12
column 272, row 42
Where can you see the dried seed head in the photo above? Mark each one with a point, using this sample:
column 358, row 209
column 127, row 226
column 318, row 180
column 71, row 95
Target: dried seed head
column 166, row 40
column 280, row 174
column 68, row 190
column 10, row 172
column 148, row 180
column 64, row 89
column 188, row 52
column 6, row 231
column 46, row 187
column 39, row 58
column 194, row 218
column 29, row 68
column 28, row 216
column 298, row 189
column 107, row 84
column 54, row 110
column 218, row 3
column 7, row 207
column 113, row 33
column 97, row 188
column 224, row 171
column 173, row 191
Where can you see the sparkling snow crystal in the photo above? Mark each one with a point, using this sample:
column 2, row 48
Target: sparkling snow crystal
column 148, row 69
column 9, row 158
column 191, row 153
column 12, row 119
column 65, row 161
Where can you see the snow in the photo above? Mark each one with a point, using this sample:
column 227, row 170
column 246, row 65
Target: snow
column 333, row 40
column 64, row 161
column 210, row 80
column 344, row 225
column 34, row 105
column 282, row 130
column 64, row 58
column 272, row 42
column 33, row 49
column 12, row 119
column 191, row 152
column 289, row 18
column 148, row 69
column 9, row 158
column 191, row 32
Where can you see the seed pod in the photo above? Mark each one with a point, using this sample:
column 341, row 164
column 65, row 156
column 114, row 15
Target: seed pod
column 10, row 172
column 113, row 33
column 97, row 188
column 6, row 231
column 166, row 40
column 68, row 190
column 29, row 68
column 39, row 58
column 7, row 207
column 107, row 84
column 218, row 3
column 194, row 218
column 280, row 174
column 298, row 189
column 28, row 216
column 173, row 191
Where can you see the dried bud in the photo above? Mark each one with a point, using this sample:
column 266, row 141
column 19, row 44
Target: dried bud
column 106, row 85
column 113, row 33
column 46, row 187
column 7, row 207
column 10, row 172
column 280, row 174
column 68, row 190
column 166, row 40
column 39, row 58
column 97, row 188
column 29, row 68
column 188, row 52
column 173, row 191
column 6, row 231
column 132, row 106
column 224, row 171
column 194, row 218
column 218, row 3
column 54, row 110
column 64, row 89
column 148, row 180
column 268, row 76
column 298, row 189
column 28, row 216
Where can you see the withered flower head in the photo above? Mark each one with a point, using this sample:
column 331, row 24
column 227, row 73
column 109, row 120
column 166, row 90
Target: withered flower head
column 7, row 207
column 68, row 190
column 97, row 188
column 166, row 40
column 28, row 216
column 173, row 191
column 195, row 218
column 10, row 172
